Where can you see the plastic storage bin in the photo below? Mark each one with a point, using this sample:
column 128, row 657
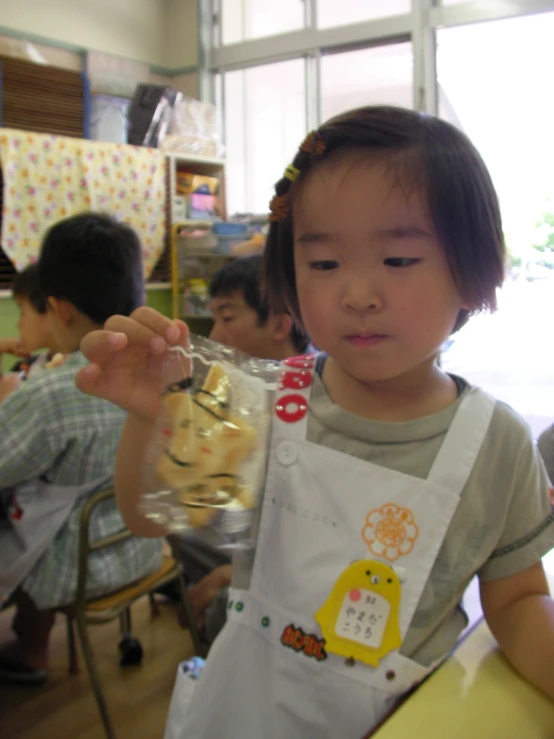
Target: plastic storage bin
column 229, row 234
column 202, row 242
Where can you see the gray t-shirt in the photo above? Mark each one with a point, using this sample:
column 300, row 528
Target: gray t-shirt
column 504, row 522
column 546, row 448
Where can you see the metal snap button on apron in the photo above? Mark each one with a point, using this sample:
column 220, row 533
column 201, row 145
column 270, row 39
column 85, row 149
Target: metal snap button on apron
column 287, row 453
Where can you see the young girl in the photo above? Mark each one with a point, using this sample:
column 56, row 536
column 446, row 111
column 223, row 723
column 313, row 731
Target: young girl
column 399, row 482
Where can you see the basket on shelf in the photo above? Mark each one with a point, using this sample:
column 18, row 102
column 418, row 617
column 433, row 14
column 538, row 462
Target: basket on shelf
column 229, row 235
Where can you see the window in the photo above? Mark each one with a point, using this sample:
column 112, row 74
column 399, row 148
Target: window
column 249, row 19
column 339, row 13
column 265, row 121
column 382, row 74
column 500, row 96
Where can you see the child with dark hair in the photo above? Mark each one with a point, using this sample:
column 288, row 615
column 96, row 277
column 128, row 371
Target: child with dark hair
column 87, row 252
column 241, row 315
column 35, row 331
column 390, row 483
column 58, row 445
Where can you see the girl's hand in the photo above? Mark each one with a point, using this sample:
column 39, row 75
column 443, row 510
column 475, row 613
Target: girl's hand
column 13, row 346
column 128, row 360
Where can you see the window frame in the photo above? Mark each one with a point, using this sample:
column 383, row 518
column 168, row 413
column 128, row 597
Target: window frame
column 419, row 26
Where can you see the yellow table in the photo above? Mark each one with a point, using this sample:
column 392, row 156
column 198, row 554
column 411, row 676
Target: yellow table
column 474, row 695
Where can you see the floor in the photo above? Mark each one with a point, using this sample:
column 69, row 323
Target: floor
column 137, row 697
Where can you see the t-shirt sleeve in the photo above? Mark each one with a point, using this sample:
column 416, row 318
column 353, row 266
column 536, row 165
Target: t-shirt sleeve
column 528, row 529
column 546, row 448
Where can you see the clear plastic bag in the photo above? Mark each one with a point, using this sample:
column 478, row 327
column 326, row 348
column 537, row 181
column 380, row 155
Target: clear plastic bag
column 205, row 467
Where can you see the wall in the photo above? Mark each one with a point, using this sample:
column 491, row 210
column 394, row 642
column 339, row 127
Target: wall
column 8, row 319
column 131, row 28
column 181, row 33
column 162, row 33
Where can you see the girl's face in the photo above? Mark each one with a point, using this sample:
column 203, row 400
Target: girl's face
column 374, row 287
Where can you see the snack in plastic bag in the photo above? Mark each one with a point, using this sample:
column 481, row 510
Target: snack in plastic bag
column 206, row 464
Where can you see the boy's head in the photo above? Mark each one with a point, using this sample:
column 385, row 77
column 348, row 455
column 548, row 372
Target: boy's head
column 34, row 326
column 242, row 319
column 419, row 153
column 89, row 268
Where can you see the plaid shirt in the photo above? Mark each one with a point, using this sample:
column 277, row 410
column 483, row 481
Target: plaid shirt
column 51, row 430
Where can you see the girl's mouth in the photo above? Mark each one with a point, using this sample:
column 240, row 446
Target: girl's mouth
column 366, row 339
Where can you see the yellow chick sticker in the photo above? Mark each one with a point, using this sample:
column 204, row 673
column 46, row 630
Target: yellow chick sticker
column 360, row 618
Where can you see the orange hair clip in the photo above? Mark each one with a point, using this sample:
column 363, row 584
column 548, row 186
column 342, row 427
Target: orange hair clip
column 313, row 144
column 279, row 207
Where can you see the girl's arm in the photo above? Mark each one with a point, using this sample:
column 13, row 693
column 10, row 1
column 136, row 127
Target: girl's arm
column 128, row 476
column 520, row 613
column 127, row 368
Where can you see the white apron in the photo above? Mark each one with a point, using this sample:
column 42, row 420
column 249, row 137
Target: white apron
column 36, row 513
column 271, row 673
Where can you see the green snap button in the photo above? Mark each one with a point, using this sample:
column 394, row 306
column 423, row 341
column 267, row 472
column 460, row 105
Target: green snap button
column 239, row 606
column 265, row 621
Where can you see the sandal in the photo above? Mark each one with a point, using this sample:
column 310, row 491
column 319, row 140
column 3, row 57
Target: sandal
column 18, row 674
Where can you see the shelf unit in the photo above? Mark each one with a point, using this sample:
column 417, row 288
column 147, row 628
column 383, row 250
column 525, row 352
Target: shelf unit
column 212, row 167
column 209, row 166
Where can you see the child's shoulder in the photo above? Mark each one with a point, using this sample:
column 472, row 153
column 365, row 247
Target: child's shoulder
column 508, row 433
column 61, row 375
column 57, row 384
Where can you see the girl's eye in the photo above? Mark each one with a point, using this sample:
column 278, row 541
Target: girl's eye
column 228, row 319
column 324, row 265
column 401, row 261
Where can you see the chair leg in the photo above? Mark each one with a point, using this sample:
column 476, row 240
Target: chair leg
column 199, row 646
column 125, row 622
column 94, row 678
column 72, row 647
column 154, row 607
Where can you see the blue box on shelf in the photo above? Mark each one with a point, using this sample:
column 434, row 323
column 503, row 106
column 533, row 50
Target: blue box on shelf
column 229, row 234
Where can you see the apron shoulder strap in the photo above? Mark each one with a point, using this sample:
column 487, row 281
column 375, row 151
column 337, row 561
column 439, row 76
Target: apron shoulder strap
column 463, row 441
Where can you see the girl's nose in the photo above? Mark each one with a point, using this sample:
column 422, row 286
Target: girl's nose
column 362, row 297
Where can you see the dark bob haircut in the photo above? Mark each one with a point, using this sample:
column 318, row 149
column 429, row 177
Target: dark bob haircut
column 94, row 262
column 428, row 152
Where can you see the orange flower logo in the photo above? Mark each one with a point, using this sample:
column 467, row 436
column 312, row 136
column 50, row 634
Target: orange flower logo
column 390, row 531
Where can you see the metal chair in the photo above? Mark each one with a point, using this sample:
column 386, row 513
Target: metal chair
column 86, row 612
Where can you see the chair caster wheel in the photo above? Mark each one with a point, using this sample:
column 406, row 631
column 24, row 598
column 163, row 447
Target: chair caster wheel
column 131, row 651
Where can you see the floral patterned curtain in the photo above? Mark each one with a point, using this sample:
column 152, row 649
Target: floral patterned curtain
column 47, row 178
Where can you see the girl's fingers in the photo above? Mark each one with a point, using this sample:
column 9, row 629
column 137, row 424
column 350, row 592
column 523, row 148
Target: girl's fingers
column 184, row 334
column 139, row 334
column 88, row 379
column 158, row 324
column 99, row 346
